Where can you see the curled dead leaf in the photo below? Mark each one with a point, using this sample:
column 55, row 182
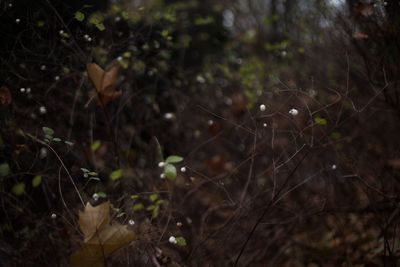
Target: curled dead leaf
column 5, row 96
column 105, row 83
column 101, row 238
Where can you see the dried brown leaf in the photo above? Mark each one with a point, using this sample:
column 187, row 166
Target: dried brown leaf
column 105, row 83
column 101, row 238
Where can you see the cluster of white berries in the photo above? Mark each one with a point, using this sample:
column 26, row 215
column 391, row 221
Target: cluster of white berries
column 95, row 197
column 172, row 240
column 53, row 216
column 42, row 110
column 23, row 90
column 262, row 107
column 87, row 38
column 131, row 222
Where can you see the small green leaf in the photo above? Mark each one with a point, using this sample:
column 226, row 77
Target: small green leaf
column 138, row 206
column 48, row 131
column 56, row 139
column 173, row 159
column 320, row 121
column 85, row 170
column 180, row 241
column 93, row 173
column 69, row 143
column 101, row 194
column 336, row 135
column 18, row 189
column 96, row 145
column 4, row 169
column 134, row 196
column 100, row 27
column 36, row 181
column 115, row 175
column 170, row 171
column 79, row 16
column 155, row 212
column 153, row 197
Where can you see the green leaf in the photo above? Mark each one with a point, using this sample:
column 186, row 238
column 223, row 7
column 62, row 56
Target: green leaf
column 100, row 27
column 153, row 197
column 48, row 131
column 115, row 175
column 85, row 170
column 93, row 173
column 79, row 16
column 170, row 171
column 56, row 139
column 134, row 196
column 173, row 159
column 69, row 143
column 101, row 194
column 96, row 145
column 138, row 206
column 4, row 169
column 36, row 181
column 180, row 241
column 18, row 189
column 155, row 212
column 320, row 121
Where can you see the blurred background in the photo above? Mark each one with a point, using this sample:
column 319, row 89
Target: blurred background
column 285, row 113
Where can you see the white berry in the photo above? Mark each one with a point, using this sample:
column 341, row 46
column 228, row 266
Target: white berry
column 172, row 240
column 293, row 112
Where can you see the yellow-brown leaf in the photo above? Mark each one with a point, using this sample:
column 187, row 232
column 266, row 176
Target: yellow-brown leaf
column 101, row 239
